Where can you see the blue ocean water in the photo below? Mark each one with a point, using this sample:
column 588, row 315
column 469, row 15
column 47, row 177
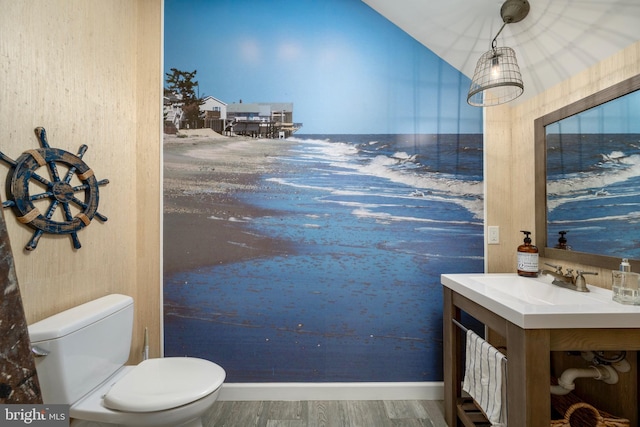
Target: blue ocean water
column 593, row 192
column 369, row 222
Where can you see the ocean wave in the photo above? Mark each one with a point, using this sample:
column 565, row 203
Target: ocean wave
column 615, row 169
column 399, row 167
column 471, row 203
column 630, row 217
column 386, row 217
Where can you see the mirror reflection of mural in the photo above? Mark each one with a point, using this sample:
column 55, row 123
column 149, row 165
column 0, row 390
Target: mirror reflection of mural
column 331, row 174
column 593, row 179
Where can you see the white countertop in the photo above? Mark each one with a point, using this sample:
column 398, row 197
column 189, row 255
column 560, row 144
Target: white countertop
column 535, row 303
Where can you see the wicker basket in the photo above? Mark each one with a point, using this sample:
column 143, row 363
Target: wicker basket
column 580, row 414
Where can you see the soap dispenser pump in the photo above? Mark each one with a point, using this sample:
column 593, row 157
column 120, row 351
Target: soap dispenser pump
column 624, row 265
column 562, row 241
column 527, row 257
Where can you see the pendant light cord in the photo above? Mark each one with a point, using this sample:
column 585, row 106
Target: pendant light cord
column 494, row 43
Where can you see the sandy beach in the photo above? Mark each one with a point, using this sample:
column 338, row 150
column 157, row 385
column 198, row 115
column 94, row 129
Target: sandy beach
column 203, row 219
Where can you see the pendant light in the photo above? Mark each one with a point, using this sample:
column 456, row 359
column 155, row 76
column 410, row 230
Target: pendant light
column 497, row 77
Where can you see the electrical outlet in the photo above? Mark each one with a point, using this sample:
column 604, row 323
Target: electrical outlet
column 493, row 235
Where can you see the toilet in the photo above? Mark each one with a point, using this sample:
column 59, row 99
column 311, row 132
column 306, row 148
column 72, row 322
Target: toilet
column 80, row 358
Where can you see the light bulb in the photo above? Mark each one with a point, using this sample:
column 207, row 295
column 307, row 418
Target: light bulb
column 495, row 67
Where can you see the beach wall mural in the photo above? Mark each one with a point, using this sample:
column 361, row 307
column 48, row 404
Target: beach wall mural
column 315, row 255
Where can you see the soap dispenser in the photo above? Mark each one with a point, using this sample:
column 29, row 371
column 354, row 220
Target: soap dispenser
column 527, row 257
column 562, row 241
column 626, row 285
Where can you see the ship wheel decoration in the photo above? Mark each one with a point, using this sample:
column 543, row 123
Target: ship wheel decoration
column 59, row 192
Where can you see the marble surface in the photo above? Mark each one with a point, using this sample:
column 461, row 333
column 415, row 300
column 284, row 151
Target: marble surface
column 18, row 378
column 535, row 303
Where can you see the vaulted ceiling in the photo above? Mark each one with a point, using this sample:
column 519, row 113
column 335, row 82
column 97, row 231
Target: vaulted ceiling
column 558, row 38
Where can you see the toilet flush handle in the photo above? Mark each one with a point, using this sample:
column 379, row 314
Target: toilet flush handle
column 39, row 352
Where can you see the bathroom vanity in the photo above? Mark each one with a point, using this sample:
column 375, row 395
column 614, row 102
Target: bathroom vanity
column 534, row 318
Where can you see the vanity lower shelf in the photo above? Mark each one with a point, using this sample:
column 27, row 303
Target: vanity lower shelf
column 528, row 367
column 469, row 413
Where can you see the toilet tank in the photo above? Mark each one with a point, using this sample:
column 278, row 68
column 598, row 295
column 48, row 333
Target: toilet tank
column 85, row 344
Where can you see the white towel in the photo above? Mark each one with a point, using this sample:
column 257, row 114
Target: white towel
column 485, row 378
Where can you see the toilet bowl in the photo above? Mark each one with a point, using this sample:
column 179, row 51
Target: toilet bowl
column 157, row 392
column 80, row 356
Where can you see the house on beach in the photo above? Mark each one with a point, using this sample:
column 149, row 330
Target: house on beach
column 261, row 119
column 214, row 113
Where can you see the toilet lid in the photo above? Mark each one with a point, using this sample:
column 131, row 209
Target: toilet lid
column 164, row 383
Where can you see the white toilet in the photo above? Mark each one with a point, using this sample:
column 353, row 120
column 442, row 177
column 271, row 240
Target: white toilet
column 80, row 356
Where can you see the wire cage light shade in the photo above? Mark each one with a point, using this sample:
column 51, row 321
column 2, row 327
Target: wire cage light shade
column 497, row 78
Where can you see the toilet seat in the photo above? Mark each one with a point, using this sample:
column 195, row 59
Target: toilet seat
column 164, row 383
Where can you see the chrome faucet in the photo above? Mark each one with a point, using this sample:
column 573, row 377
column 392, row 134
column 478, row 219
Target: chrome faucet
column 567, row 280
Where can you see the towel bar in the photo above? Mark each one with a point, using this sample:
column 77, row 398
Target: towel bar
column 460, row 325
column 465, row 330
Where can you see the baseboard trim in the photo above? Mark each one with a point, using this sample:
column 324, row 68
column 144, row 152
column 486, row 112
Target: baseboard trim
column 332, row 391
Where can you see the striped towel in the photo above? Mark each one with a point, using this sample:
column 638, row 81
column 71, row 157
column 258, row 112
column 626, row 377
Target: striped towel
column 485, row 378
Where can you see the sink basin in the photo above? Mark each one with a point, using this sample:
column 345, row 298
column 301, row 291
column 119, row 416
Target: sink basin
column 535, row 303
column 535, row 290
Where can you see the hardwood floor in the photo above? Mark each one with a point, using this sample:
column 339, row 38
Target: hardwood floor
column 333, row 413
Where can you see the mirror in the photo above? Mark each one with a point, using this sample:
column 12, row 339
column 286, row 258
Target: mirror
column 587, row 163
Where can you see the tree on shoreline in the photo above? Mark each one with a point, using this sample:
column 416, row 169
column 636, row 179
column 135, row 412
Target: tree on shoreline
column 182, row 83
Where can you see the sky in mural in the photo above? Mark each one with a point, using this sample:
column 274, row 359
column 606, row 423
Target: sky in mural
column 616, row 116
column 345, row 67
